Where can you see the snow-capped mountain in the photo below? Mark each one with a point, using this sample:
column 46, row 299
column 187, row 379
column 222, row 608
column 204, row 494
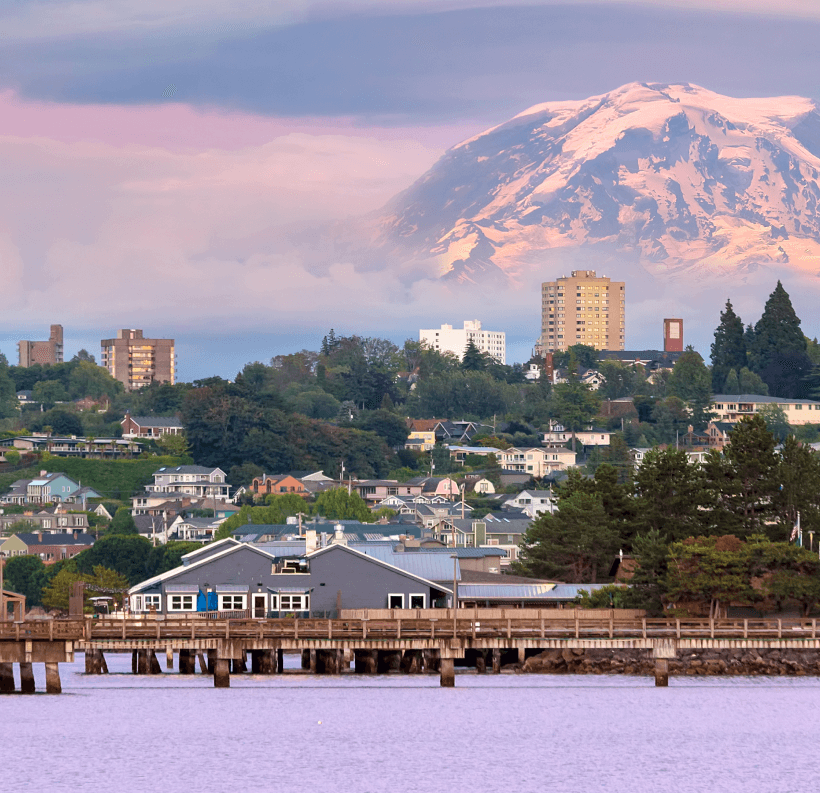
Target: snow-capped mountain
column 670, row 175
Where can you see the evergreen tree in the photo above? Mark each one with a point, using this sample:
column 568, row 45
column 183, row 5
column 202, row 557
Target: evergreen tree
column 728, row 349
column 669, row 492
column 473, row 360
column 691, row 382
column 576, row 544
column 648, row 583
column 753, row 465
column 779, row 351
column 798, row 477
column 750, row 383
column 574, row 405
column 732, row 385
column 122, row 522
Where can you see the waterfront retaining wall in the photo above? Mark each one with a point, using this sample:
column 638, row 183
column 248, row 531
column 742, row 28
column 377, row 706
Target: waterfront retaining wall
column 689, row 663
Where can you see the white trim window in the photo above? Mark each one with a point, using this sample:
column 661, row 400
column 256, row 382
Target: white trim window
column 295, row 602
column 232, row 602
column 418, row 601
column 395, row 601
column 274, row 603
column 152, row 601
column 181, row 602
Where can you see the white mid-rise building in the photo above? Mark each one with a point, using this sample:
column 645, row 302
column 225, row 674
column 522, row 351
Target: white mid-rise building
column 455, row 340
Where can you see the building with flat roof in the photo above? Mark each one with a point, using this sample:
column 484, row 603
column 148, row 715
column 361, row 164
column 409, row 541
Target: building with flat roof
column 582, row 309
column 136, row 361
column 455, row 340
column 42, row 352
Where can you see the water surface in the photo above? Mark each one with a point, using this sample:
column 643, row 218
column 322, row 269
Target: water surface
column 575, row 734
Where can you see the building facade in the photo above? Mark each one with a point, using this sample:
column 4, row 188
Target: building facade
column 455, row 340
column 673, row 335
column 582, row 309
column 43, row 352
column 733, row 407
column 136, row 361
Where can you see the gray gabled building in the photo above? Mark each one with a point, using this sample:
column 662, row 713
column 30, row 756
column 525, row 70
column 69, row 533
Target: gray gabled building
column 238, row 577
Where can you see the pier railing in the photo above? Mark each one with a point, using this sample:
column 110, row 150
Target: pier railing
column 153, row 628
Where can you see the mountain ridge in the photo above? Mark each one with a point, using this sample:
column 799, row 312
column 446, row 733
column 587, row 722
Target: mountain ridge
column 676, row 177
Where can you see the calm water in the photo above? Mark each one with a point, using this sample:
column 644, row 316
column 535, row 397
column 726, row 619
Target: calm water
column 574, row 734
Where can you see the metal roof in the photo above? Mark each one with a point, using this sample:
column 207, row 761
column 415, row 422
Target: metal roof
column 290, row 589
column 504, row 591
column 282, row 549
column 570, row 591
column 229, row 588
column 433, row 567
column 182, row 588
column 462, row 553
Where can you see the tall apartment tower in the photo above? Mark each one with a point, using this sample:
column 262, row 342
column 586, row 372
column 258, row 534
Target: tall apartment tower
column 136, row 361
column 673, row 335
column 50, row 351
column 583, row 309
column 455, row 340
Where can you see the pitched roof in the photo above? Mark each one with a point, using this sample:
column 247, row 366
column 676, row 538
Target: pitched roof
column 760, row 398
column 30, row 538
column 383, row 563
column 185, row 469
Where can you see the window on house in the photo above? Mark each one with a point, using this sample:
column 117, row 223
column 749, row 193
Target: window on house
column 152, row 601
column 231, row 602
column 294, row 603
column 395, row 601
column 417, row 601
column 180, row 603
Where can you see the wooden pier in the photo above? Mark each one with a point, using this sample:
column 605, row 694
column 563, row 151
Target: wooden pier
column 405, row 641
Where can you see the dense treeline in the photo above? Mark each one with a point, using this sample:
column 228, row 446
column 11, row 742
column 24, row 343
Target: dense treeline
column 751, row 492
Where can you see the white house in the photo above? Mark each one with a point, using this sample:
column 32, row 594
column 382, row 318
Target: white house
column 455, row 340
column 537, row 462
column 534, row 502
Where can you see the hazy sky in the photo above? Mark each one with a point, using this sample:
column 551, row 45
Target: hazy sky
column 155, row 154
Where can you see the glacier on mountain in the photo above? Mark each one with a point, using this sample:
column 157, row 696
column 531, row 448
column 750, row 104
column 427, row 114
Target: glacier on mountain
column 675, row 177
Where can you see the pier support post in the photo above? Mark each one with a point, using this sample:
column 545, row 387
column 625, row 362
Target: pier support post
column 222, row 673
column 103, row 663
column 306, row 659
column 6, row 678
column 27, row 678
column 481, row 662
column 143, row 663
column 256, row 661
column 169, row 657
column 212, row 662
column 661, row 672
column 312, row 661
column 448, row 673
column 92, row 662
column 431, row 660
column 496, row 661
column 267, row 662
column 53, row 684
column 280, row 661
column 134, row 662
column 239, row 664
column 203, row 664
column 153, row 664
column 522, row 655
column 187, row 662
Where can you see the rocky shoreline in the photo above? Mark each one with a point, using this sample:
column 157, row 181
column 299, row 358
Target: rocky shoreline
column 688, row 663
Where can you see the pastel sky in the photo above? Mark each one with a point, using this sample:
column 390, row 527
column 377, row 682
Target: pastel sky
column 159, row 158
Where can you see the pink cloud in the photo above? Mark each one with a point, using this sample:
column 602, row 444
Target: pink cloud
column 179, row 127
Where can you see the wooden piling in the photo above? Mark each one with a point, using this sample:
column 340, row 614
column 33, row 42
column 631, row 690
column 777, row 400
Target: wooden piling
column 522, row 655
column 153, row 664
column 169, row 657
column 306, row 659
column 496, row 661
column 448, row 673
column 27, row 678
column 661, row 672
column 143, row 663
column 134, row 662
column 239, row 665
column 280, row 661
column 53, row 684
column 212, row 662
column 222, row 673
column 203, row 664
column 256, row 661
column 480, row 662
column 6, row 678
column 103, row 663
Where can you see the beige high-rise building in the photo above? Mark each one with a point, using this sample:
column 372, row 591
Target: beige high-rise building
column 582, row 309
column 136, row 361
column 43, row 352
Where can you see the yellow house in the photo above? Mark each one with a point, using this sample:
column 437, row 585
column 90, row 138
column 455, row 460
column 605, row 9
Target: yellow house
column 421, row 441
column 733, row 407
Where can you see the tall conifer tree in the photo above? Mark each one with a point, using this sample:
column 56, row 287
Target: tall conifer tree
column 728, row 349
column 778, row 351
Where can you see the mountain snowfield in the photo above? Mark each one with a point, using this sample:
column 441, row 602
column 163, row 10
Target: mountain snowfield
column 674, row 177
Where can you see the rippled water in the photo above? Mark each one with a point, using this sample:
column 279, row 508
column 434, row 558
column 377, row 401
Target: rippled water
column 576, row 734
